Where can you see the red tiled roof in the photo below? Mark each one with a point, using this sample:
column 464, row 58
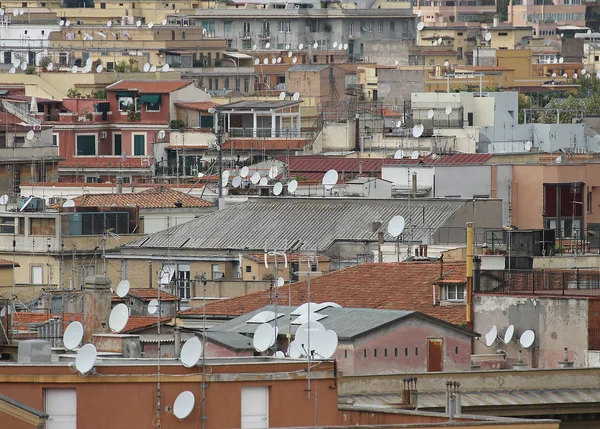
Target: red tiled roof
column 8, row 119
column 201, row 106
column 105, row 162
column 7, row 264
column 150, row 86
column 265, row 144
column 458, row 158
column 433, row 53
column 155, row 198
column 135, row 323
column 293, row 257
column 23, row 319
column 390, row 286
column 147, row 294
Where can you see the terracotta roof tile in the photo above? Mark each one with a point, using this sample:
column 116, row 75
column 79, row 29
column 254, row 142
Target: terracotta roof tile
column 24, row 319
column 105, row 162
column 391, row 286
column 7, row 264
column 150, row 86
column 135, row 323
column 201, row 106
column 155, row 198
column 266, row 144
column 147, row 294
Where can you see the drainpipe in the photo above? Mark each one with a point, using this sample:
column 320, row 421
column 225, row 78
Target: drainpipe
column 470, row 279
column 177, row 350
column 150, row 274
column 379, row 244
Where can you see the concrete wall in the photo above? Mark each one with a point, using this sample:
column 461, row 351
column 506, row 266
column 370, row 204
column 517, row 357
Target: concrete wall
column 464, row 181
column 335, row 137
column 557, row 322
column 395, row 85
column 387, row 52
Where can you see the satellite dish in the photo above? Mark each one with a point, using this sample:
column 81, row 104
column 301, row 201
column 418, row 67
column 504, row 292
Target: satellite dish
column 547, row 42
column 50, row 67
column 583, row 72
column 440, row 40
column 396, row 62
column 315, row 329
column 30, row 135
column 266, row 61
column 282, row 95
column 588, row 32
column 488, row 37
column 294, row 60
column 292, row 186
column 263, row 181
column 88, row 62
column 435, row 43
column 345, row 46
column 254, row 47
column 446, row 63
column 150, row 25
column 23, row 66
column 527, row 339
column 273, row 171
column 267, row 45
column 341, row 47
column 164, row 22
column 279, row 354
column 490, row 337
column 152, row 69
column 191, row 352
column 510, row 331
column 184, row 405
column 15, row 12
column 273, row 60
column 69, row 203
column 256, row 61
column 301, row 46
column 74, row 69
column 16, row 63
column 330, row 179
column 296, row 96
column 448, row 110
column 561, row 60
column 86, row 356
column 118, row 318
column 553, row 74
column 290, row 53
column 255, row 178
column 315, row 45
column 73, row 335
column 575, row 76
column 287, row 46
column 334, row 45
column 12, row 70
column 280, row 281
column 295, row 350
column 21, row 12
column 555, row 60
column 326, row 344
column 430, row 114
column 527, row 146
column 419, row 13
column 278, row 60
column 565, row 75
column 414, row 154
column 420, row 26
column 399, row 154
column 264, row 337
column 165, row 68
column 61, row 23
column 99, row 68
column 396, row 226
column 161, row 134
column 417, row 130
column 244, row 171
column 123, row 288
column 67, row 23
column 4, row 199
column 558, row 160
column 277, row 189
column 138, row 23
column 109, row 23
column 146, row 67
column 236, row 182
column 152, row 306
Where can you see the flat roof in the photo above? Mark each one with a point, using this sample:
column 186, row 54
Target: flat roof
column 260, row 104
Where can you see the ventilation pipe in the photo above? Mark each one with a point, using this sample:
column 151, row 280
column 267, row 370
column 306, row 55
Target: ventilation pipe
column 379, row 244
column 360, row 166
column 357, row 133
column 469, row 264
column 414, row 185
column 119, row 182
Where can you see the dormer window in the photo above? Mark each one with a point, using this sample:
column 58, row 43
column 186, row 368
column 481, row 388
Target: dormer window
column 453, row 292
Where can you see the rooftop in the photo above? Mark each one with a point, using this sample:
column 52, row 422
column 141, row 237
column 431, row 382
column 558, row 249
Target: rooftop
column 201, row 106
column 260, row 104
column 150, row 86
column 148, row 294
column 135, row 323
column 265, row 144
column 308, row 68
column 389, row 286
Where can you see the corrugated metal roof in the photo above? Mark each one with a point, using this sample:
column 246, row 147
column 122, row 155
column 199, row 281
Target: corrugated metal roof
column 232, row 340
column 308, row 223
column 491, row 398
column 308, row 68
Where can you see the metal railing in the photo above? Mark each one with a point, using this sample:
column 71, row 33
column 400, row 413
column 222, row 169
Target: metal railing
column 268, row 133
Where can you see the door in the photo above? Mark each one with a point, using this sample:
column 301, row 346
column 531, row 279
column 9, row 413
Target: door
column 255, row 407
column 61, row 407
column 434, row 354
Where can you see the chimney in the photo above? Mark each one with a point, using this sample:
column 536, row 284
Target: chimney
column 414, row 185
column 150, row 274
column 379, row 244
column 425, row 250
column 96, row 306
column 441, row 266
column 119, row 185
column 360, row 166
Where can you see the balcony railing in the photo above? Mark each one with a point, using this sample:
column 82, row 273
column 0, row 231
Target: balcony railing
column 268, row 133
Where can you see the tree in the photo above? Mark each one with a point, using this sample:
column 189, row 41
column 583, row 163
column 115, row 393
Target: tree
column 502, row 9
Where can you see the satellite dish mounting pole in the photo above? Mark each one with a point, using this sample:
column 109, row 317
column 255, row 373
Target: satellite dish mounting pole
column 220, row 156
column 276, row 254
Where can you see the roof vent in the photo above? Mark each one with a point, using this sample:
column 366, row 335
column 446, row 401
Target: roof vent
column 34, row 351
column 375, row 226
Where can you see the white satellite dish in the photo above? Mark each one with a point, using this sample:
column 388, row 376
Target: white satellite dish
column 417, row 130
column 528, row 146
column 488, row 37
column 86, row 356
column 345, row 46
column 312, row 328
column 279, row 354
column 419, row 13
column 165, row 68
column 255, row 178
column 266, row 61
column 16, row 63
column 150, row 25
column 561, row 60
column 440, row 40
column 414, row 154
column 565, row 75
column 553, row 74
column 290, row 53
column 267, row 45
column 184, row 405
column 555, row 60
column 301, row 46
column 446, row 63
column 138, row 23
column 191, row 352
column 430, row 114
column 292, row 186
column 280, row 281
column 273, row 171
column 109, row 24
column 30, row 135
column 164, row 22
column 256, row 61
column 74, row 69
column 490, row 337
column 152, row 306
column 282, row 95
column 146, row 67
column 254, row 47
column 296, row 96
column 315, row 45
column 73, row 335
column 435, row 43
column 67, row 23
column 278, row 60
column 23, row 66
column 123, row 288
column 399, row 154
column 264, row 337
column 99, row 68
column 277, row 189
column 295, row 350
column 225, row 176
column 236, row 182
column 68, row 203
column 326, row 344
column 420, row 26
column 341, row 47
column 575, row 76
column 152, row 69
column 527, row 339
column 118, row 318
column 294, row 60
column 15, row 12
column 244, row 172
column 21, row 12
column 12, row 70
column 396, row 226
column 510, row 331
column 61, row 23
column 161, row 134
column 396, row 62
column 558, row 160
column 330, row 179
column 273, row 60
column 4, row 199
column 88, row 62
column 448, row 110
column 263, row 181
column 50, row 67
column 335, row 45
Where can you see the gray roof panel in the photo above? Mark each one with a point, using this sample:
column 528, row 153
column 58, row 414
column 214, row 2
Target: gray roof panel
column 308, row 68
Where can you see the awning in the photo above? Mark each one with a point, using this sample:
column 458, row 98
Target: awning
column 122, row 94
column 237, row 55
column 150, row 99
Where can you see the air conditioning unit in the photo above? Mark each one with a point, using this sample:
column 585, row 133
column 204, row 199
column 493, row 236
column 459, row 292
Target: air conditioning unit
column 102, row 134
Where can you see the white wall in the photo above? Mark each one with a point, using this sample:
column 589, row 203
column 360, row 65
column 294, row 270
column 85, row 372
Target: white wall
column 14, row 38
column 157, row 221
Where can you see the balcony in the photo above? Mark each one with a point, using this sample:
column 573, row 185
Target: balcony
column 10, row 154
column 268, row 133
column 246, row 35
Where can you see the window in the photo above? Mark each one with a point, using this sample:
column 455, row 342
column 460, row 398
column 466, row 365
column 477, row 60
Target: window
column 246, row 84
column 226, row 83
column 502, row 33
column 384, row 352
column 183, row 281
column 596, row 58
column 37, row 274
column 248, row 268
column 215, row 273
column 246, row 29
column 102, row 5
column 284, row 26
column 416, row 351
column 61, row 407
column 92, row 179
column 237, row 84
column 124, row 103
column 455, row 292
column 152, row 102
column 406, row 351
column 350, row 28
column 365, row 353
column 86, row 144
column 216, row 84
column 374, row 353
column 7, row 225
column 54, row 139
column 139, row 144
column 345, row 354
column 380, row 27
column 206, row 121
column 456, row 350
column 589, row 201
column 371, row 26
column 117, row 144
column 396, row 351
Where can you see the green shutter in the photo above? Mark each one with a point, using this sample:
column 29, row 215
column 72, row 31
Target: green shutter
column 150, row 99
column 206, row 121
column 86, row 145
column 139, row 145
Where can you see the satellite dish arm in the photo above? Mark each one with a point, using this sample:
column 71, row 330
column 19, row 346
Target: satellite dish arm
column 285, row 259
column 266, row 264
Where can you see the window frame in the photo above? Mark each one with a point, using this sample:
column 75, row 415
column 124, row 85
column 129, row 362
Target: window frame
column 455, row 290
column 31, row 277
column 133, row 135
column 95, row 135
